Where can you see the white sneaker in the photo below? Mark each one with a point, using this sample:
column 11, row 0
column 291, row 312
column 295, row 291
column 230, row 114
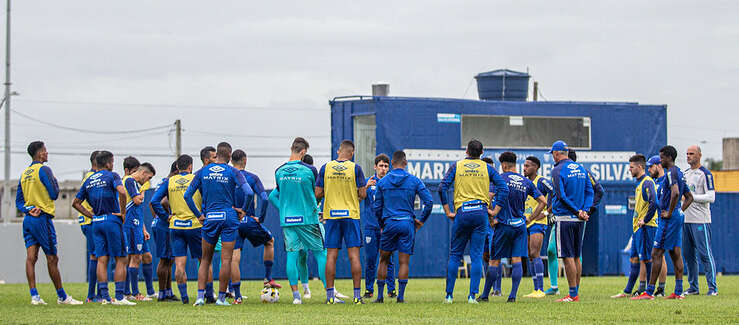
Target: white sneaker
column 297, row 302
column 123, row 302
column 306, row 294
column 152, row 296
column 68, row 301
column 37, row 301
column 340, row 295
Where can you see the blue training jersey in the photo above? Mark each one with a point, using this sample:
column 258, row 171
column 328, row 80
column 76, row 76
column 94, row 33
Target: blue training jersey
column 395, row 195
column 217, row 184
column 261, row 207
column 573, row 190
column 519, row 188
column 368, row 218
column 134, row 212
column 99, row 190
column 672, row 176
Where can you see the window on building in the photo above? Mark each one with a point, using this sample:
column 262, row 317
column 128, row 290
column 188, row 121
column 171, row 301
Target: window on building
column 534, row 132
column 365, row 142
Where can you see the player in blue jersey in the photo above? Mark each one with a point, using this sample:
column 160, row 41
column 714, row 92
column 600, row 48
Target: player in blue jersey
column 105, row 193
column 471, row 178
column 372, row 235
column 86, row 227
column 136, row 183
column 217, row 183
column 251, row 227
column 510, row 237
column 669, row 228
column 654, row 165
column 35, row 196
column 573, row 198
column 486, row 247
column 163, row 244
column 393, row 206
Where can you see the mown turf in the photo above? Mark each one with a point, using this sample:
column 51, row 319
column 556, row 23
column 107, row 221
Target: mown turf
column 423, row 296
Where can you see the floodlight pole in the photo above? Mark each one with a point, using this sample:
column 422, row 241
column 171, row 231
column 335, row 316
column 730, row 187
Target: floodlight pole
column 7, row 211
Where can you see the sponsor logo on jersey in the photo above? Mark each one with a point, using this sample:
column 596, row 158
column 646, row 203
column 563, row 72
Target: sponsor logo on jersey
column 339, row 168
column 216, row 169
column 181, row 181
column 472, row 165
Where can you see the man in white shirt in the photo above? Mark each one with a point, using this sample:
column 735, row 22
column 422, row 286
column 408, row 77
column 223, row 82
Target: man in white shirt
column 697, row 227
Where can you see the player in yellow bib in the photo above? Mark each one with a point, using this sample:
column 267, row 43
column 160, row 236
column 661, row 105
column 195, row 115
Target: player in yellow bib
column 536, row 225
column 342, row 184
column 86, row 227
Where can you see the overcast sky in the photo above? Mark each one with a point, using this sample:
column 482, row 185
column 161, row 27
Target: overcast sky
column 258, row 73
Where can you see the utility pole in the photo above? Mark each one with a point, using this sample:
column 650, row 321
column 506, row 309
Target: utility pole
column 536, row 90
column 178, row 136
column 6, row 212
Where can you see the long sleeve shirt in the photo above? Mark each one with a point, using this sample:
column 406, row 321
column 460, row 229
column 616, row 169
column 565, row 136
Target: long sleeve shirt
column 573, row 191
column 395, row 195
column 700, row 183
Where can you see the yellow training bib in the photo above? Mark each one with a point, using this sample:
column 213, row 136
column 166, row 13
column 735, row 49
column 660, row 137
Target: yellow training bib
column 340, row 191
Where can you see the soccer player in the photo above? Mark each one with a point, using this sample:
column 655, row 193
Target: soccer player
column 104, row 191
column 183, row 225
column 654, row 165
column 644, row 223
column 342, row 184
column 37, row 191
column 669, row 229
column 573, row 198
column 208, row 156
column 395, row 196
column 251, row 228
column 86, row 227
column 217, row 183
column 486, row 248
column 163, row 243
column 536, row 224
column 136, row 183
column 294, row 197
column 372, row 233
column 697, row 228
column 509, row 234
column 471, row 178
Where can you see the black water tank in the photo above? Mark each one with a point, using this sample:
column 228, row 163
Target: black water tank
column 503, row 84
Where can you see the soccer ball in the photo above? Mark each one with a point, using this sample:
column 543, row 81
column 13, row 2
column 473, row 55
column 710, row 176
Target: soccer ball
column 269, row 295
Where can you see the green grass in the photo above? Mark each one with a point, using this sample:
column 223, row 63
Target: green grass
column 424, row 305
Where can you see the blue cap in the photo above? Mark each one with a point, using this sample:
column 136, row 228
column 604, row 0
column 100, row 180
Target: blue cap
column 559, row 146
column 654, row 160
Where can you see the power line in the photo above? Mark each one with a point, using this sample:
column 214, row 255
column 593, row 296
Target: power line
column 89, row 131
column 171, row 106
column 249, row 135
column 87, row 154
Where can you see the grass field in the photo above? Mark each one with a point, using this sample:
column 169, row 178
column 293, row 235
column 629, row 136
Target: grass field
column 424, row 305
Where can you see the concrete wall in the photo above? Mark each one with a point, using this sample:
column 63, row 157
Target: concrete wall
column 730, row 154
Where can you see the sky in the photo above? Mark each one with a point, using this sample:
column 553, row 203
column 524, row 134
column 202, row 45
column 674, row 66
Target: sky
column 257, row 74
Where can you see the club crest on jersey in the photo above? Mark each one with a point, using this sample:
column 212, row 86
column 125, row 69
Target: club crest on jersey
column 339, row 168
column 216, row 169
column 181, row 181
column 471, row 165
column 290, row 169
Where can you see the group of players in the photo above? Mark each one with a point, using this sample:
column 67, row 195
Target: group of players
column 500, row 215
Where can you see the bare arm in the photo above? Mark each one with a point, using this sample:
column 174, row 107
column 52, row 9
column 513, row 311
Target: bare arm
column 77, row 205
column 121, row 201
column 319, row 193
column 541, row 204
column 688, row 200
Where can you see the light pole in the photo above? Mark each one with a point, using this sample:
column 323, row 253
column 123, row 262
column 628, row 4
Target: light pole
column 6, row 212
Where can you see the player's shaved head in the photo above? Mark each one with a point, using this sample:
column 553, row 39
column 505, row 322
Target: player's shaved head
column 399, row 159
column 346, row 145
column 223, row 151
column 474, row 148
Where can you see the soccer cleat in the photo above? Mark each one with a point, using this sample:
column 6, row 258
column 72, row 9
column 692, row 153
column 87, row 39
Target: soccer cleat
column 90, row 301
column 637, row 292
column 379, row 300
column 199, row 302
column 531, row 295
column 68, row 301
column 552, row 292
column 448, row 300
column 358, row 301
column 239, row 301
column 392, row 294
column 511, row 300
column 306, row 293
column 472, row 300
column 620, row 295
column 37, row 301
column 367, row 294
column 105, row 302
column 297, row 302
column 675, row 296
column 691, row 293
column 712, row 293
column 400, row 301
column 536, row 294
column 643, row 296
column 123, row 302
column 222, row 303
column 660, row 292
column 497, row 293
column 272, row 284
column 567, row 298
column 333, row 301
column 210, row 300
column 140, row 297
column 172, row 298
column 230, row 295
column 340, row 295
column 482, row 299
column 152, row 296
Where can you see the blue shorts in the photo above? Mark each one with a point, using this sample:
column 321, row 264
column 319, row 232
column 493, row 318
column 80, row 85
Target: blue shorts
column 135, row 239
column 509, row 241
column 182, row 239
column 398, row 235
column 109, row 237
column 89, row 238
column 569, row 238
column 223, row 224
column 255, row 232
column 346, row 230
column 470, row 225
column 40, row 231
column 537, row 228
column 642, row 243
column 670, row 232
column 162, row 242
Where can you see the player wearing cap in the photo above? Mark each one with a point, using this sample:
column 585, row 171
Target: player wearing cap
column 697, row 228
column 573, row 198
column 669, row 229
column 471, row 178
column 644, row 223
